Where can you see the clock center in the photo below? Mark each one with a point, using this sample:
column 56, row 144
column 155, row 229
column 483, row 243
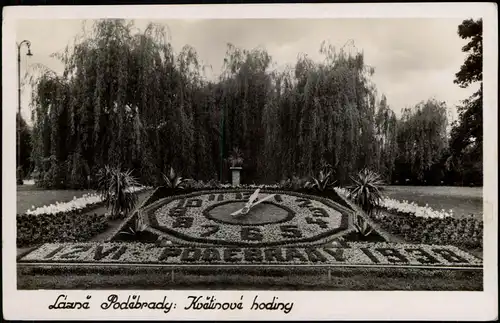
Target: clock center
column 263, row 213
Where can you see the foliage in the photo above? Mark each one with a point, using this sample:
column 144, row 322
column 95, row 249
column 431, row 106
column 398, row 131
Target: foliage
column 19, row 175
column 421, row 140
column 126, row 98
column 136, row 228
column 466, row 142
column 472, row 69
column 362, row 226
column 294, row 183
column 323, row 182
column 236, row 158
column 172, row 180
column 71, row 226
column 366, row 190
column 386, row 133
column 113, row 186
column 26, row 146
column 464, row 232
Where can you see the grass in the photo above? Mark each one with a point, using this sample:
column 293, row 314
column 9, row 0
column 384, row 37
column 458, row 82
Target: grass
column 28, row 195
column 344, row 279
column 464, row 201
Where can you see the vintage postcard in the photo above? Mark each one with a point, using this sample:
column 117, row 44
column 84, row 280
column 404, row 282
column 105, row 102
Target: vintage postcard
column 278, row 162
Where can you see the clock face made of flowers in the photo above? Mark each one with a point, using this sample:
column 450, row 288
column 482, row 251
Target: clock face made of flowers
column 286, row 218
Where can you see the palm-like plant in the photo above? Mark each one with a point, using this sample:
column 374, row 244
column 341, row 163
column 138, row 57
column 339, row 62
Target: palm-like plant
column 136, row 228
column 113, row 185
column 173, row 180
column 366, row 190
column 362, row 226
column 323, row 182
column 236, row 158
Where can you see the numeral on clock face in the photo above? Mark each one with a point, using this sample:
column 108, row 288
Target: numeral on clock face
column 290, row 231
column 321, row 223
column 212, row 197
column 317, row 211
column 194, row 203
column 189, row 203
column 242, row 195
column 183, row 222
column 251, row 233
column 212, row 229
column 304, row 203
column 177, row 211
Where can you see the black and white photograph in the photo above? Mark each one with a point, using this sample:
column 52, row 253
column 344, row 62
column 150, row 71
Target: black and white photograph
column 237, row 161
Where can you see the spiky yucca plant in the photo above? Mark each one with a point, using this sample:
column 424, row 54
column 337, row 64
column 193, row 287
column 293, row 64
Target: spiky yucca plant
column 236, row 158
column 362, row 226
column 173, row 180
column 323, row 182
column 366, row 190
column 136, row 228
column 113, row 185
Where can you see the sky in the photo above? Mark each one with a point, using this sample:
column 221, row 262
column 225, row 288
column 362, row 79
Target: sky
column 415, row 59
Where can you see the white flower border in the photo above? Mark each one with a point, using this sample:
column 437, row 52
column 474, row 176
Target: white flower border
column 406, row 207
column 75, row 204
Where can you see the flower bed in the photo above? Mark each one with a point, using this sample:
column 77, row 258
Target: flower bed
column 464, row 232
column 59, row 222
column 74, row 225
column 85, row 202
column 366, row 254
column 206, row 218
column 406, row 208
column 417, row 224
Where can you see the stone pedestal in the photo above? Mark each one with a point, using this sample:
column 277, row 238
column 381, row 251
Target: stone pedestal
column 236, row 178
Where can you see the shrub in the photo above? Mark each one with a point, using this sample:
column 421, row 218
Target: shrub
column 294, row 183
column 113, row 186
column 173, row 180
column 72, row 226
column 19, row 175
column 323, row 182
column 464, row 232
column 366, row 190
column 236, row 158
column 135, row 229
column 362, row 226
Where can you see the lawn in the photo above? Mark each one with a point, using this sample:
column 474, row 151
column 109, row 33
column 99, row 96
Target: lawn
column 30, row 195
column 464, row 201
column 261, row 278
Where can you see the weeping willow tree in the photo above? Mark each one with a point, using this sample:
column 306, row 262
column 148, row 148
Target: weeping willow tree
column 421, row 140
column 323, row 113
column 124, row 99
column 127, row 99
column 386, row 139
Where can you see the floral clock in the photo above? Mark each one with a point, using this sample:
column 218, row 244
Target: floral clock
column 275, row 218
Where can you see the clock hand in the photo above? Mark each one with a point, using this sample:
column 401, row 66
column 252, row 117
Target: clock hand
column 252, row 205
column 253, row 197
column 241, row 210
column 248, row 205
column 262, row 200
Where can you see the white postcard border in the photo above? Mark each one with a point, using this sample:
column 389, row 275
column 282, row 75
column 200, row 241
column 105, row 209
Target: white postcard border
column 32, row 305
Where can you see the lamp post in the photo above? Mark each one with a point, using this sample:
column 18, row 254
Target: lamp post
column 18, row 164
